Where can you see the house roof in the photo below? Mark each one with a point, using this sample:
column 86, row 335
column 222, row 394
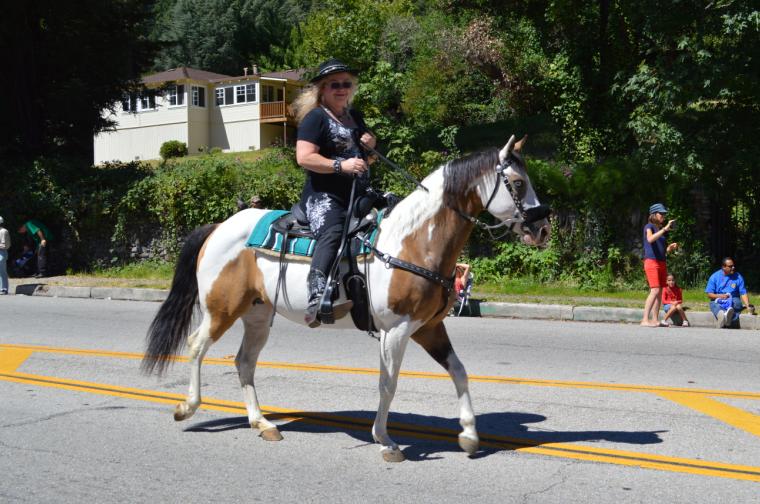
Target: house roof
column 296, row 74
column 180, row 73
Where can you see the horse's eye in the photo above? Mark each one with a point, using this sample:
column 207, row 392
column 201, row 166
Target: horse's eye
column 518, row 184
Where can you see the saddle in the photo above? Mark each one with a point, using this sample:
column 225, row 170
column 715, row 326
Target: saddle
column 294, row 225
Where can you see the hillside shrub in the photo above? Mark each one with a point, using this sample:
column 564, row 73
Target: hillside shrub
column 185, row 193
column 173, row 149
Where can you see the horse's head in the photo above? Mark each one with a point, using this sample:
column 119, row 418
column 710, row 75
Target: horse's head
column 511, row 198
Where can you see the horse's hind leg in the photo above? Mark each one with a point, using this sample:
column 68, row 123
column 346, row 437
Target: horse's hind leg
column 217, row 319
column 256, row 327
column 435, row 341
column 198, row 344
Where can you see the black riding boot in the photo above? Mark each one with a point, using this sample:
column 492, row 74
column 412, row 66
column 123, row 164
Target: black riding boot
column 316, row 282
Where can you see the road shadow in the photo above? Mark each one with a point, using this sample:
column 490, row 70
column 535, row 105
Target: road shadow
column 498, row 431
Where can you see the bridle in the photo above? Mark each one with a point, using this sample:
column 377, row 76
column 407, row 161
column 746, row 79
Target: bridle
column 521, row 216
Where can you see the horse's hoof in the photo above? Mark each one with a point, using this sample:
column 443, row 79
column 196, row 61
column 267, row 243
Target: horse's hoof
column 393, row 455
column 469, row 445
column 271, row 434
column 182, row 412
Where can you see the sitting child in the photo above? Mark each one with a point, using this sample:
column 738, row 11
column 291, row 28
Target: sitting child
column 461, row 277
column 22, row 264
column 672, row 302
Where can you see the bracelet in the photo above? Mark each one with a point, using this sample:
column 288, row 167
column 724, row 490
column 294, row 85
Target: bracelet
column 336, row 166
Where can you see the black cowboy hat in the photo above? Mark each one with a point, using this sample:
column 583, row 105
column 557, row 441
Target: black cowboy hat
column 329, row 67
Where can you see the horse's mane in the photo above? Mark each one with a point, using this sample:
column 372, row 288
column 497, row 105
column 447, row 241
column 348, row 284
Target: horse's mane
column 458, row 174
column 446, row 184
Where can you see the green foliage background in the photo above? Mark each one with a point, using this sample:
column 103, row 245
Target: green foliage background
column 626, row 103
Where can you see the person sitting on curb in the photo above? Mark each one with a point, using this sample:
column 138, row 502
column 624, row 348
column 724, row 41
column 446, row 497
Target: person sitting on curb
column 5, row 244
column 726, row 291
column 461, row 277
column 672, row 302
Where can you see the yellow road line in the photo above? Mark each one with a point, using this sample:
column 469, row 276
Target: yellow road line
column 725, row 413
column 411, row 374
column 12, row 358
column 563, row 450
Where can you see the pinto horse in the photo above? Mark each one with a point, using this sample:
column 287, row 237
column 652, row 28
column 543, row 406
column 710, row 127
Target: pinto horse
column 428, row 229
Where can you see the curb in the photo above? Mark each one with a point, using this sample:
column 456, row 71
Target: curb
column 482, row 309
column 595, row 314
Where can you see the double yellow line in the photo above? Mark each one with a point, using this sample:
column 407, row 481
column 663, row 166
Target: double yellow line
column 13, row 356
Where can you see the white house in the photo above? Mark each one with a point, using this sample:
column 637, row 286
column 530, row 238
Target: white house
column 204, row 110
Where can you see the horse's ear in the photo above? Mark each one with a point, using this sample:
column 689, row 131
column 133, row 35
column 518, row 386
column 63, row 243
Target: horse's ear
column 503, row 153
column 519, row 145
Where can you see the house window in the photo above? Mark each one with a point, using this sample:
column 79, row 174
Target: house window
column 267, row 93
column 199, row 96
column 127, row 103
column 270, row 94
column 177, row 95
column 148, row 101
column 229, row 95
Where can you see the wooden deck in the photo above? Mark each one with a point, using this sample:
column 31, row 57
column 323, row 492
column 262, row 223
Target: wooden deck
column 275, row 112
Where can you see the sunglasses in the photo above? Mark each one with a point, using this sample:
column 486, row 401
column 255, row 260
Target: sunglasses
column 345, row 85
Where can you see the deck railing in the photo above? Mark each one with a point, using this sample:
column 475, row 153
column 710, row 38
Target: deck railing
column 272, row 109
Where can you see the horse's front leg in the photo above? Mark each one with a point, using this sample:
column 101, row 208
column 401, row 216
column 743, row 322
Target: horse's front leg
column 392, row 347
column 435, row 341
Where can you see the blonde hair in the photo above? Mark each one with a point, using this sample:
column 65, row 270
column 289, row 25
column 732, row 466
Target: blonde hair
column 311, row 97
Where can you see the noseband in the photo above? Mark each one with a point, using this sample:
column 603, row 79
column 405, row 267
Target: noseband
column 522, row 216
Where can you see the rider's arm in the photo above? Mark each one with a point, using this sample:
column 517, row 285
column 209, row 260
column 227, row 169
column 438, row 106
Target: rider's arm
column 308, row 156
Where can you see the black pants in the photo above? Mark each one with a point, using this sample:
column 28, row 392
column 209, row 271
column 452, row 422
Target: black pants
column 42, row 260
column 327, row 216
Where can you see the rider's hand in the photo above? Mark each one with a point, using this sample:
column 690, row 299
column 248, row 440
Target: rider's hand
column 669, row 225
column 353, row 166
column 369, row 140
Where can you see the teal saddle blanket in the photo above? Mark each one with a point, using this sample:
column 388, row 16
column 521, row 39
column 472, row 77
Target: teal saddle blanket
column 264, row 236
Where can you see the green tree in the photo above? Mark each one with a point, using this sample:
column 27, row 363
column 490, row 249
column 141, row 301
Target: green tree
column 225, row 35
column 63, row 66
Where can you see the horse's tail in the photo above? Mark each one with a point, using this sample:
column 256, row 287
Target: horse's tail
column 168, row 331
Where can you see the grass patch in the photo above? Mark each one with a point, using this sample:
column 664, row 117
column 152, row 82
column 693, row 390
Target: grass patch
column 143, row 270
column 152, row 274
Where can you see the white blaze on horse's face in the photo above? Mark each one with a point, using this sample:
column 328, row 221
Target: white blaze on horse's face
column 503, row 205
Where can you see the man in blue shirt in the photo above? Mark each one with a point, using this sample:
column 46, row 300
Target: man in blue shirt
column 726, row 291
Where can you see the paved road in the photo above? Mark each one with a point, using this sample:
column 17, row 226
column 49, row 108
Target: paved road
column 568, row 412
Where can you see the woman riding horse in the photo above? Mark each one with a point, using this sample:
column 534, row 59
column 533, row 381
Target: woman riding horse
column 327, row 148
column 410, row 278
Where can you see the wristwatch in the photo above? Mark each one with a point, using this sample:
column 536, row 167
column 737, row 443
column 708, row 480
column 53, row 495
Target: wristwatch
column 336, row 166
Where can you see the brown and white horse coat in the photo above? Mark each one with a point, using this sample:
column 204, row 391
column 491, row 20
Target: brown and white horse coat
column 424, row 229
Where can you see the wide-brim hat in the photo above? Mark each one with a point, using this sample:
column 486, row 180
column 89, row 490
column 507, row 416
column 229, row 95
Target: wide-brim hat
column 657, row 208
column 329, row 67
